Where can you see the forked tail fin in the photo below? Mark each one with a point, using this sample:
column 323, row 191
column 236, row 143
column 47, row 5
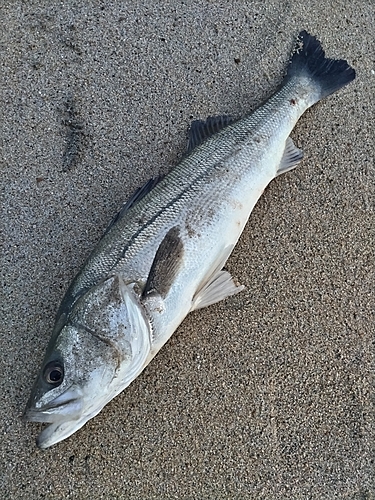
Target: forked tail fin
column 309, row 60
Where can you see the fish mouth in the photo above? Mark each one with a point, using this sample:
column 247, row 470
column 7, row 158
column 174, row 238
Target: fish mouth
column 66, row 406
column 63, row 413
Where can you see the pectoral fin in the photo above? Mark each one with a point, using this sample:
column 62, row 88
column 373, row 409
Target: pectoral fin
column 167, row 262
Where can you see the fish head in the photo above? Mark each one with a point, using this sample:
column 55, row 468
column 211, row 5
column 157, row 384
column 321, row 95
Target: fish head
column 99, row 350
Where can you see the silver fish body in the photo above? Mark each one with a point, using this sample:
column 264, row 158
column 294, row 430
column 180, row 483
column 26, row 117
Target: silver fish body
column 163, row 255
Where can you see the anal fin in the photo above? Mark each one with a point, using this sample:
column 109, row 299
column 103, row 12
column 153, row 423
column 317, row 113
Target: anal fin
column 291, row 157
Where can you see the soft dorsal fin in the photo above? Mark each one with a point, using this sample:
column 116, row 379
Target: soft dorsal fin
column 166, row 264
column 135, row 198
column 291, row 157
column 200, row 130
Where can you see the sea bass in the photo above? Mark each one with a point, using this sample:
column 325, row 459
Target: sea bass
column 163, row 254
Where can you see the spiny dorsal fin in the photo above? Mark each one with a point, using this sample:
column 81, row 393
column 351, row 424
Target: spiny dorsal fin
column 135, row 198
column 200, row 130
column 166, row 264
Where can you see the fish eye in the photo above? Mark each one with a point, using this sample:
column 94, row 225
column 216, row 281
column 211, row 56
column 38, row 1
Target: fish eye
column 54, row 373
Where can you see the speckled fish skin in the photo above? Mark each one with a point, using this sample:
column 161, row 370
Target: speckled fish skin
column 163, row 255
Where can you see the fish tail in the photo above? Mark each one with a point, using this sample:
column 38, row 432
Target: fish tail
column 308, row 60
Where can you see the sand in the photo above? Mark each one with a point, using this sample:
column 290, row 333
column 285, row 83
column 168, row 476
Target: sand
column 268, row 395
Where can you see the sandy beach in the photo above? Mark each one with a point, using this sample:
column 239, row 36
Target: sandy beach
column 266, row 395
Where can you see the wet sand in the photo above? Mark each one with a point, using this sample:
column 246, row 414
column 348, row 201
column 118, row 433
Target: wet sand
column 267, row 395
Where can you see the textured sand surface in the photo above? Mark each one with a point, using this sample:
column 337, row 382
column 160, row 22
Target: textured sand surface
column 268, row 395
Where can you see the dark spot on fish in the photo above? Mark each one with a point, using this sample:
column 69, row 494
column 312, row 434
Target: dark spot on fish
column 39, row 180
column 237, row 60
column 292, row 102
column 190, row 231
column 210, row 213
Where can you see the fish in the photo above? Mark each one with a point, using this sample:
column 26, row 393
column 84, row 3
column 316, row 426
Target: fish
column 163, row 254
